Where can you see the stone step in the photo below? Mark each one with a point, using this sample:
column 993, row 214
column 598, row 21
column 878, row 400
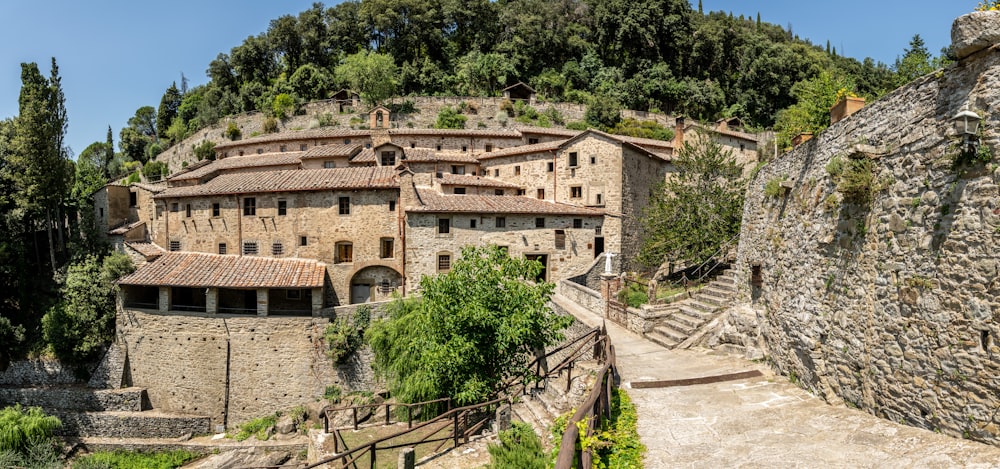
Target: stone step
column 666, row 330
column 77, row 398
column 149, row 424
column 727, row 291
column 662, row 340
column 711, row 298
column 697, row 307
column 689, row 320
column 678, row 326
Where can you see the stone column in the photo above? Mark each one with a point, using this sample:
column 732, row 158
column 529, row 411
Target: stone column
column 262, row 307
column 608, row 281
column 407, row 459
column 212, row 300
column 317, row 301
column 164, row 300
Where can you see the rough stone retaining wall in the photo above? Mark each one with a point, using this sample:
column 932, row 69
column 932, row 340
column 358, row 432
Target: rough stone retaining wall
column 131, row 425
column 37, row 372
column 891, row 305
column 75, row 399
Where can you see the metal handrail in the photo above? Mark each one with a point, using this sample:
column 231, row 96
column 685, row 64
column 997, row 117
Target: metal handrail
column 714, row 255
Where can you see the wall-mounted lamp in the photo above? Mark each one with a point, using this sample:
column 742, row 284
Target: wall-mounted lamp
column 966, row 124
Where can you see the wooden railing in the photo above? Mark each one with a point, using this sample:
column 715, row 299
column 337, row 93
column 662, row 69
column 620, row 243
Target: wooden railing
column 329, row 412
column 594, row 411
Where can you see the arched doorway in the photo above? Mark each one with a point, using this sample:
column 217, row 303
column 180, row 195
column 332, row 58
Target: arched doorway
column 374, row 283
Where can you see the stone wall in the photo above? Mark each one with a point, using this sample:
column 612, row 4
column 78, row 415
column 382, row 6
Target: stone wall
column 75, row 399
column 231, row 369
column 131, row 425
column 890, row 304
column 38, row 372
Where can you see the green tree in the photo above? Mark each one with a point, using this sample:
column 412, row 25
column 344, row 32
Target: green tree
column 698, row 209
column 603, row 113
column 811, row 112
column 916, row 62
column 167, row 111
column 283, row 106
column 449, row 118
column 84, row 321
column 473, row 328
column 374, row 76
column 482, row 74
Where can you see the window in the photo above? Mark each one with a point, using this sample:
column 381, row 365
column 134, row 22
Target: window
column 293, row 294
column 283, row 148
column 472, row 223
column 303, row 147
column 550, row 166
column 249, row 248
column 439, row 147
column 444, row 262
column 501, row 222
column 460, row 190
column 260, row 151
column 249, row 206
column 521, row 192
column 540, row 222
column 444, row 225
column 175, row 245
column 329, row 164
column 241, row 152
column 597, row 230
column 386, row 248
column 599, row 199
column 577, row 223
column 282, row 208
column 388, row 158
column 413, row 145
column 344, row 205
column 496, row 173
column 532, row 141
column 392, row 205
column 222, row 248
column 497, row 191
column 576, row 192
column 174, row 207
column 368, row 145
column 216, row 209
column 560, row 239
column 465, row 148
column 488, row 148
column 187, row 210
column 101, row 211
column 457, row 169
column 517, row 170
column 345, row 253
column 593, row 160
column 133, row 199
column 303, row 240
column 540, row 194
column 574, row 160
column 346, row 141
column 277, row 248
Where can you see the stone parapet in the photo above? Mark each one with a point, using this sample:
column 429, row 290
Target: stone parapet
column 75, row 398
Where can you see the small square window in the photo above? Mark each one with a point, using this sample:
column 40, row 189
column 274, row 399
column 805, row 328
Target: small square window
column 496, row 173
column 517, row 170
column 444, row 225
column 532, row 141
column 282, row 208
column 593, row 160
column 329, row 165
column 413, row 145
column 465, row 148
column 283, row 148
column 344, row 253
column 501, row 222
column 444, row 262
column 216, row 209
column 438, row 147
column 521, row 192
column 346, row 141
column 303, row 240
column 277, row 248
column 540, row 194
column 488, row 148
column 303, row 147
column 386, row 250
column 368, row 145
column 540, row 222
column 260, row 151
column 222, row 248
column 576, row 192
column 550, row 166
column 457, row 169
column 577, row 223
column 249, row 248
column 472, row 223
column 175, row 246
column 175, row 207
column 497, row 191
column 344, row 205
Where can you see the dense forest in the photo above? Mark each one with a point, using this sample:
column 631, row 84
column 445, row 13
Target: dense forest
column 608, row 54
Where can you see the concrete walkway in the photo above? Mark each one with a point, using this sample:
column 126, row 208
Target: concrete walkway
column 762, row 422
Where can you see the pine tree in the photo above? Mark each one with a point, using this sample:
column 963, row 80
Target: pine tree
column 167, row 112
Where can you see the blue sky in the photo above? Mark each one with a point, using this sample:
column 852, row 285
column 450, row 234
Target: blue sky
column 115, row 56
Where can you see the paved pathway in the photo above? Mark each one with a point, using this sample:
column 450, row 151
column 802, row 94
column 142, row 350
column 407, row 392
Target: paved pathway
column 762, row 422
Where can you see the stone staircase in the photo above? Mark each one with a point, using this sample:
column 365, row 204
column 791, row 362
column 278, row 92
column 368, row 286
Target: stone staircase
column 687, row 317
column 542, row 404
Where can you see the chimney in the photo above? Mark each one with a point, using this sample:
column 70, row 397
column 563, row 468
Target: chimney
column 678, row 133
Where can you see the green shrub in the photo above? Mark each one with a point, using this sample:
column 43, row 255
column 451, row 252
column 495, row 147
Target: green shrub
column 135, row 460
column 642, row 129
column 773, row 187
column 855, row 178
column 633, row 295
column 134, row 177
column 577, row 125
column 343, row 338
column 270, row 125
column 554, row 116
column 519, row 448
column 155, row 169
column 405, row 107
column 257, row 427
column 283, row 106
column 333, row 393
column 22, row 428
column 448, row 118
column 326, row 120
column 205, row 150
column 616, row 443
column 233, row 131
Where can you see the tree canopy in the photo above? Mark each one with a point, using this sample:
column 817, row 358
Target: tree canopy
column 471, row 329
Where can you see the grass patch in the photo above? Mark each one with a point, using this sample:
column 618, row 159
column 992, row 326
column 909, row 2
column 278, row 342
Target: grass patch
column 387, row 459
column 616, row 443
column 133, row 460
column 519, row 448
column 257, row 427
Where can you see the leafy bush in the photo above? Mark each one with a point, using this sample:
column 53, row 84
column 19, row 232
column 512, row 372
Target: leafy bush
column 405, row 107
column 634, row 295
column 603, row 112
column 773, row 187
column 448, row 118
column 134, row 177
column 577, row 125
column 155, row 169
column 325, row 119
column 205, row 150
column 519, row 448
column 135, row 460
column 855, row 177
column 270, row 125
column 554, row 116
column 21, row 428
column 333, row 393
column 616, row 443
column 642, row 129
column 343, row 338
column 257, row 427
column 233, row 131
column 283, row 106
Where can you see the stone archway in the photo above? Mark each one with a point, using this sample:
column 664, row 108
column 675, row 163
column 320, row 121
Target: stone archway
column 374, row 283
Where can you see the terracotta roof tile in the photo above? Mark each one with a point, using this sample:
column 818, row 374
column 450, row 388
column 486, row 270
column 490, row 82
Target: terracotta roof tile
column 548, row 131
column 523, row 150
column 124, row 229
column 328, row 151
column 148, row 250
column 154, row 188
column 458, row 132
column 186, row 269
column 434, row 202
column 474, row 181
column 295, row 180
column 240, row 162
column 364, row 156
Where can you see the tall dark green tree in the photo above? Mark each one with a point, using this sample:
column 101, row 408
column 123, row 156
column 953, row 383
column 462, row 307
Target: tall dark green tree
column 916, row 62
column 167, row 111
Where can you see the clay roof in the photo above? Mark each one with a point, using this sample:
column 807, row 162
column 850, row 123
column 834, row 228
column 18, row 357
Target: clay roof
column 237, row 162
column 124, row 229
column 294, row 180
column 328, row 151
column 630, row 142
column 420, row 155
column 148, row 250
column 154, row 188
column 523, row 150
column 187, row 269
column 311, row 134
column 433, row 202
column 475, row 181
column 458, row 132
column 364, row 156
column 731, row 133
column 548, row 131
